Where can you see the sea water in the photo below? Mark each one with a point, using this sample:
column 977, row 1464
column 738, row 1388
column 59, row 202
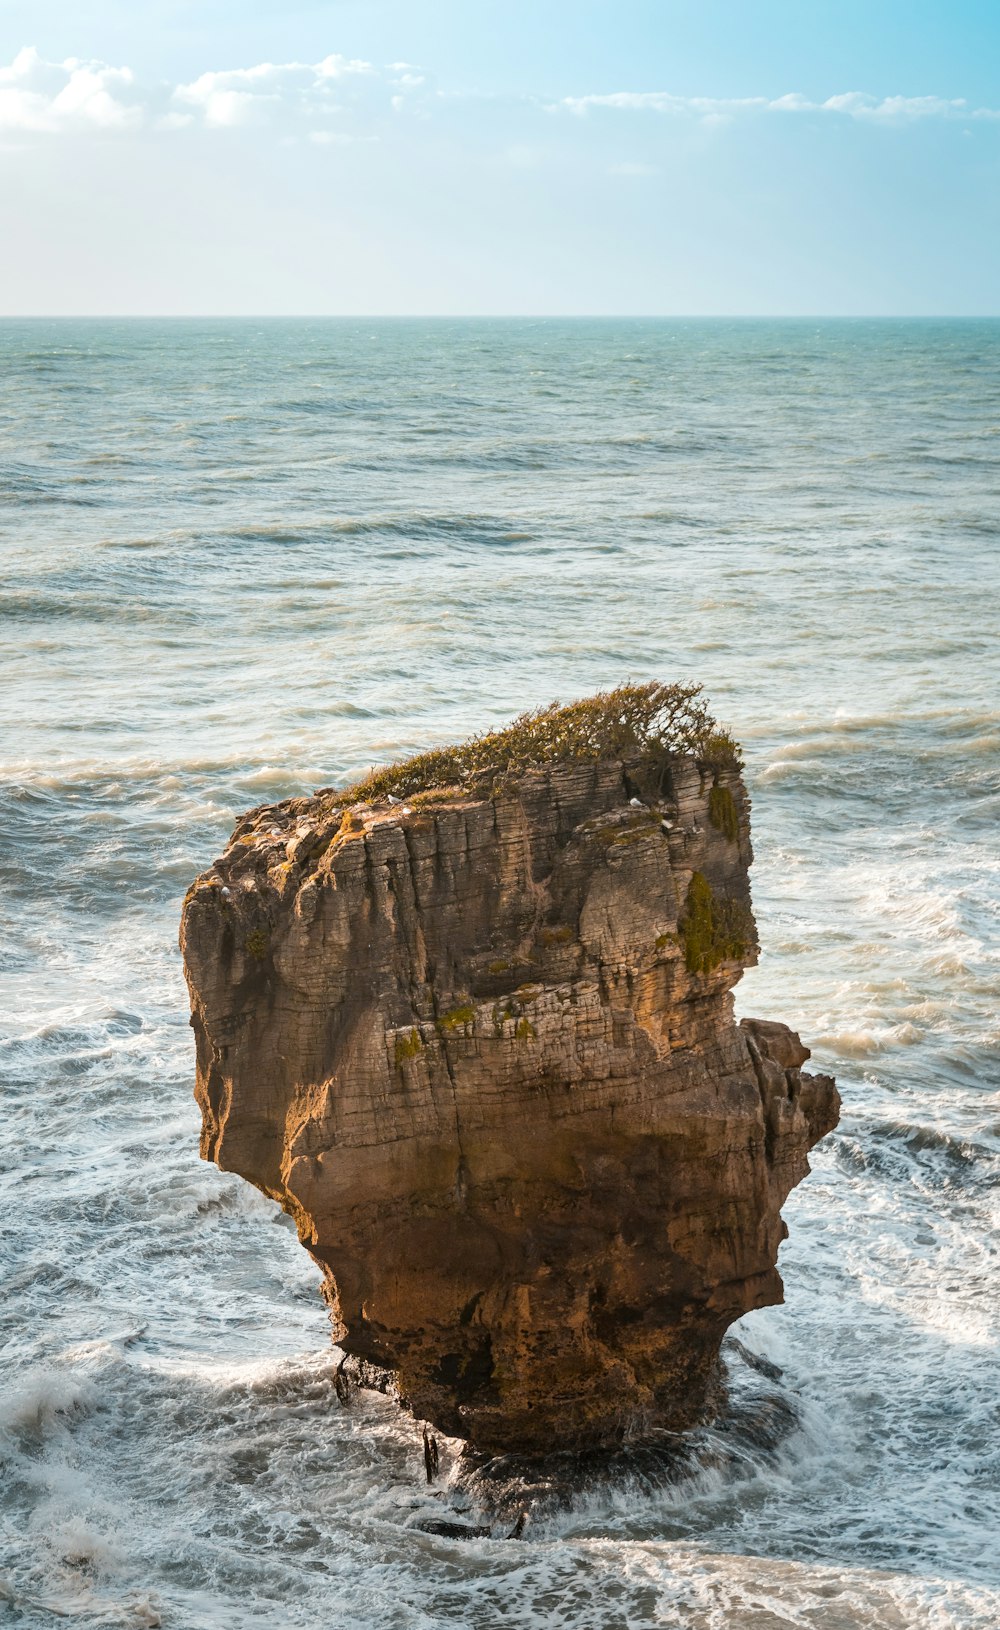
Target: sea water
column 244, row 559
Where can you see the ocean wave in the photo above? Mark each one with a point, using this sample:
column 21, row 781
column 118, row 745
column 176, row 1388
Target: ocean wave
column 44, row 1398
column 44, row 606
column 936, row 1140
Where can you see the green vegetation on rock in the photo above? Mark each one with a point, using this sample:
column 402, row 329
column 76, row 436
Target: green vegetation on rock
column 713, row 930
column 408, row 1047
column 457, row 1019
column 722, row 812
column 650, row 721
column 556, row 936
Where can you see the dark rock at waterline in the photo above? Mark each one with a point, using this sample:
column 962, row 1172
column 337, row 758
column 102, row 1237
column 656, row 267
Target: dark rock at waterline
column 755, row 1360
column 481, row 1047
column 753, row 1425
column 456, row 1530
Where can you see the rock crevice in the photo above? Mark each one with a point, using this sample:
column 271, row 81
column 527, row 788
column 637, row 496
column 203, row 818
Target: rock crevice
column 481, row 1047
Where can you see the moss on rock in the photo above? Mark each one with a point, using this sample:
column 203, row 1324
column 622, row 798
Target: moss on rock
column 408, row 1047
column 713, row 930
column 560, row 935
column 456, row 1019
column 722, row 812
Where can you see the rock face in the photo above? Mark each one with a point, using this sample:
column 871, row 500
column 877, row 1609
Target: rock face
column 482, row 1049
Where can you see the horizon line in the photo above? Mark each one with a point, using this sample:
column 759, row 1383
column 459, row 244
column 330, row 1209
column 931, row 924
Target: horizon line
column 499, row 316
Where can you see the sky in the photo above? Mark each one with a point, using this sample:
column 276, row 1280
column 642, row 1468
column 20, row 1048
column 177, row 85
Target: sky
column 639, row 157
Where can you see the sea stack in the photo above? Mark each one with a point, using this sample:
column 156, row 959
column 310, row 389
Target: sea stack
column 480, row 1045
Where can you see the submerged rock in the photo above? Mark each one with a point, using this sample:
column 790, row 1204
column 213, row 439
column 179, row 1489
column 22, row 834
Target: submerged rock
column 481, row 1047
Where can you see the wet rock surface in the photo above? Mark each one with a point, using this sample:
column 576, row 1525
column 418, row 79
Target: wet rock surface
column 757, row 1417
column 482, row 1049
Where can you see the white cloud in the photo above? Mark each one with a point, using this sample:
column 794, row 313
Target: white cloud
column 793, row 103
column 220, row 104
column 41, row 96
column 860, row 106
column 661, row 102
column 238, row 96
column 306, row 100
column 337, row 67
column 716, row 110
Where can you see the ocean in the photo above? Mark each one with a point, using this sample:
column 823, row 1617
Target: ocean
column 243, row 559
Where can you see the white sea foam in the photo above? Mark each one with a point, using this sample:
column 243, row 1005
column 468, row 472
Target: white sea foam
column 41, row 1398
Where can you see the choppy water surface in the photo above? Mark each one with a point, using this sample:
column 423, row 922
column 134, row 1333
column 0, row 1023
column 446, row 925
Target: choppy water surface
column 242, row 560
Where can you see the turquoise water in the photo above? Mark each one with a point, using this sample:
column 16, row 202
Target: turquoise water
column 240, row 560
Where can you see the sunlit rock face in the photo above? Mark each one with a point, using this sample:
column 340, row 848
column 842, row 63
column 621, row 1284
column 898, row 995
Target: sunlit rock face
column 482, row 1049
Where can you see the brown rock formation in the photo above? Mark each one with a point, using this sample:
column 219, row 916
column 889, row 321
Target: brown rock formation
column 482, row 1049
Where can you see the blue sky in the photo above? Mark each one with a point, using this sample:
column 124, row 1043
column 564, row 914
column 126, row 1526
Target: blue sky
column 452, row 156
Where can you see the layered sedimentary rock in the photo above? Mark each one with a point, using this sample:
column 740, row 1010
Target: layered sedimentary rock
column 482, row 1050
